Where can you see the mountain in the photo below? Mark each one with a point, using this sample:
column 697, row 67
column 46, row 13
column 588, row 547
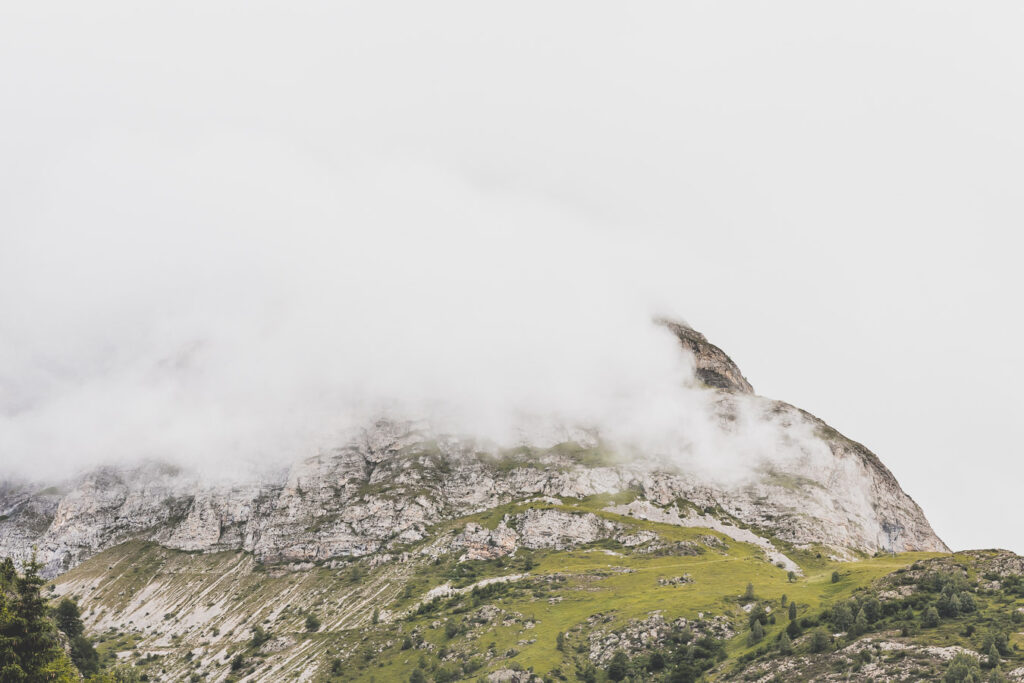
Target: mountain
column 409, row 549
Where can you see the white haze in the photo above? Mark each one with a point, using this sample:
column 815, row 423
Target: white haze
column 273, row 311
column 228, row 228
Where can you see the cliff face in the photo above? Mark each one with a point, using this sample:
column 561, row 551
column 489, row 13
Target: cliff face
column 391, row 484
column 712, row 365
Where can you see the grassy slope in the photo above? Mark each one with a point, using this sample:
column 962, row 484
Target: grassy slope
column 208, row 604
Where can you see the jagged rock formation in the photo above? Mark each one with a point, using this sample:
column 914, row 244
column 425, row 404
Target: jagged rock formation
column 713, row 366
column 390, row 484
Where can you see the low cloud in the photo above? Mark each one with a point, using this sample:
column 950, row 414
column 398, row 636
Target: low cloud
column 224, row 311
column 253, row 312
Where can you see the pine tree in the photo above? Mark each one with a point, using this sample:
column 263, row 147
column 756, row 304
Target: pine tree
column 37, row 645
column 69, row 618
column 759, row 614
column 993, row 656
column 28, row 645
column 930, row 618
column 749, row 594
column 785, row 644
column 793, row 630
column 7, row 573
column 84, row 656
column 792, row 611
column 756, row 633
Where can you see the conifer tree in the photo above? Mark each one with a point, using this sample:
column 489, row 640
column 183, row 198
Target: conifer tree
column 756, row 633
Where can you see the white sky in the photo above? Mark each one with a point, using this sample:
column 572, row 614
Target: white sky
column 831, row 194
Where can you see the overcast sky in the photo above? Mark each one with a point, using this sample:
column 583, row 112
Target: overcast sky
column 831, row 194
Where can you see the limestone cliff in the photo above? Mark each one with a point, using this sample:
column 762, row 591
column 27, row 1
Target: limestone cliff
column 387, row 486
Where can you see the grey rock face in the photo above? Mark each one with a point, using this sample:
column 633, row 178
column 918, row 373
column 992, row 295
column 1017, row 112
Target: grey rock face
column 543, row 528
column 713, row 366
column 391, row 483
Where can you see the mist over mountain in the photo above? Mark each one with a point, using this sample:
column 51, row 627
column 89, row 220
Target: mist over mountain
column 439, row 342
column 830, row 216
column 380, row 538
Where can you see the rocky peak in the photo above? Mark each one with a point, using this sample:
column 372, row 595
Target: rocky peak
column 714, row 368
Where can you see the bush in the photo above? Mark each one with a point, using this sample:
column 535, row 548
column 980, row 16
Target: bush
column 963, row 668
column 872, row 609
column 587, row 674
column 312, row 623
column 1000, row 641
column 447, row 672
column 835, row 577
column 451, row 629
column 618, row 668
column 860, row 623
column 259, row 636
column 820, row 640
column 841, row 617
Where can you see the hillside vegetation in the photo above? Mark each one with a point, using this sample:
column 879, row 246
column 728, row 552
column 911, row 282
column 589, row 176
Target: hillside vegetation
column 683, row 604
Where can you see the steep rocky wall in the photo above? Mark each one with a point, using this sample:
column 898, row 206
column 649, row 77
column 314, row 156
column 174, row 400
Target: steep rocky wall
column 361, row 499
column 392, row 482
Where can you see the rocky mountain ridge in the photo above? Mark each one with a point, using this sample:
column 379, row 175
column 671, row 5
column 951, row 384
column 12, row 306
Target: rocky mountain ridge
column 396, row 479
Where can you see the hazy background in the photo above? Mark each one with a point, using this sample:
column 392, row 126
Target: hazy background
column 219, row 222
